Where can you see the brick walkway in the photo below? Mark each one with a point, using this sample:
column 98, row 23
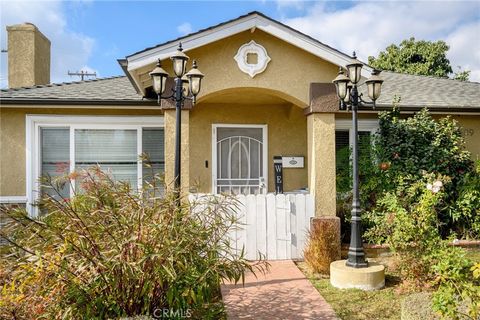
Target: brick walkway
column 283, row 293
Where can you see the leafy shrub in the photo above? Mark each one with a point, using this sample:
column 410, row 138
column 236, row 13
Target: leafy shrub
column 408, row 221
column 323, row 245
column 458, row 282
column 404, row 149
column 420, row 143
column 109, row 252
column 465, row 211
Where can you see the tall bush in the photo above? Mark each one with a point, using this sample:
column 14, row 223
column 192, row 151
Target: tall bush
column 109, row 252
column 404, row 149
column 421, row 143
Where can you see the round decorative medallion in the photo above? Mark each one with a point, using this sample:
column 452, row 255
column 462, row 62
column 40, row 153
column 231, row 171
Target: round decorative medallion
column 252, row 58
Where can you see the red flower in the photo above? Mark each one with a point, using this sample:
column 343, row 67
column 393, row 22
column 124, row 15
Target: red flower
column 384, row 166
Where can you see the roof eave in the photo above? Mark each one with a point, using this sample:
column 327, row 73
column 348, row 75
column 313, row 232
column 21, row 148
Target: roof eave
column 13, row 101
column 124, row 65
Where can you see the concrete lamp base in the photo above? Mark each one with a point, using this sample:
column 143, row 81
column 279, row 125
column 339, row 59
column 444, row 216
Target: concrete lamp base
column 370, row 278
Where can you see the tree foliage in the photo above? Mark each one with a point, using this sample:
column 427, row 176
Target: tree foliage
column 462, row 75
column 420, row 57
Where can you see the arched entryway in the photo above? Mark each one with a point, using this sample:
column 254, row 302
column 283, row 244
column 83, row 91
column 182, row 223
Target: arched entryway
column 236, row 132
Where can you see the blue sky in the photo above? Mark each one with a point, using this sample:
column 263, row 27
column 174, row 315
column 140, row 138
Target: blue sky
column 91, row 35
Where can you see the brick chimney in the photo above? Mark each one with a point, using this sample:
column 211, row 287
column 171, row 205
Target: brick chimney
column 28, row 56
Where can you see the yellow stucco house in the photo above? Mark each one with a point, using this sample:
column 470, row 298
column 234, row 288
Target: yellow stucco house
column 267, row 92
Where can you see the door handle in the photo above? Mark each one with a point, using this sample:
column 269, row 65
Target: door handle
column 262, row 184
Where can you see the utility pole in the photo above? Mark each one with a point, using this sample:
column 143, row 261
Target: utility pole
column 82, row 74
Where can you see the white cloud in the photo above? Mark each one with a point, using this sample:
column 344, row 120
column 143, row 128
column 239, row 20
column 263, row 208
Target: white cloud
column 69, row 50
column 369, row 27
column 294, row 4
column 184, row 28
column 465, row 49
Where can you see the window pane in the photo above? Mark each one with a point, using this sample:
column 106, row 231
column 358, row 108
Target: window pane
column 114, row 150
column 153, row 144
column 342, row 159
column 364, row 143
column 55, row 156
column 343, row 156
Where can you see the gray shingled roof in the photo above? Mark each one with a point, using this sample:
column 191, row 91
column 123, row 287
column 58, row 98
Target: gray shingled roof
column 425, row 91
column 415, row 92
column 104, row 90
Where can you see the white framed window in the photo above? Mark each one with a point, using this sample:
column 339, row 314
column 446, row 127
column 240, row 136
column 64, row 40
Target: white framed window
column 344, row 134
column 57, row 144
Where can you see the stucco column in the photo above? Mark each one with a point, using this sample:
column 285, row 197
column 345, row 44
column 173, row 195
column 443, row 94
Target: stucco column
column 321, row 162
column 170, row 149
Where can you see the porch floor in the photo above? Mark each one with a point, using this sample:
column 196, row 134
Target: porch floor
column 282, row 293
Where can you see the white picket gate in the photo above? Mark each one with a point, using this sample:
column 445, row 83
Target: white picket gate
column 275, row 226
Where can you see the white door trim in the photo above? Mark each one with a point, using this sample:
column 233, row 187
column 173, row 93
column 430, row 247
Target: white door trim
column 264, row 128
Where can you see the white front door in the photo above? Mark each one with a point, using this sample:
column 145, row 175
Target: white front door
column 239, row 159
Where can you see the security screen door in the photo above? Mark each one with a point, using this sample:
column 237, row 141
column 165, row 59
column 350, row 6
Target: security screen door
column 239, row 159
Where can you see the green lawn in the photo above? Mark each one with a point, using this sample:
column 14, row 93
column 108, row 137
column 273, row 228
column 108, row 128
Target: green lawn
column 474, row 254
column 353, row 304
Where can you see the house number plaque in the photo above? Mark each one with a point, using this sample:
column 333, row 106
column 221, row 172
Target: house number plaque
column 293, row 162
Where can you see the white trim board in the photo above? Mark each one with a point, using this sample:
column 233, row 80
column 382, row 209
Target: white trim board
column 13, row 199
column 32, row 145
column 250, row 22
column 363, row 125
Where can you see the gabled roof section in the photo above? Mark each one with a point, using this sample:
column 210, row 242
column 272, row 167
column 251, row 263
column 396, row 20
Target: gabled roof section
column 246, row 22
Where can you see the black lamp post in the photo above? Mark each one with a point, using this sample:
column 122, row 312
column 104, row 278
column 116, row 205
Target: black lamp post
column 187, row 86
column 348, row 93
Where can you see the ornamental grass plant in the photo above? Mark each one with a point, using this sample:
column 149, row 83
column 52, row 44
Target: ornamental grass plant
column 111, row 252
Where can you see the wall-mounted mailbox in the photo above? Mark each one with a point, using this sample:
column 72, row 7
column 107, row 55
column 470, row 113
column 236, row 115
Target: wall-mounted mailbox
column 293, row 162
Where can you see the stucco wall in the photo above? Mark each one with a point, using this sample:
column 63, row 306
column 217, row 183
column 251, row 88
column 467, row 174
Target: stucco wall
column 289, row 73
column 287, row 135
column 12, row 142
column 321, row 168
column 471, row 132
column 170, row 128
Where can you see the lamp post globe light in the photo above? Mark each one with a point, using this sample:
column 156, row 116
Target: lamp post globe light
column 187, row 87
column 346, row 87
